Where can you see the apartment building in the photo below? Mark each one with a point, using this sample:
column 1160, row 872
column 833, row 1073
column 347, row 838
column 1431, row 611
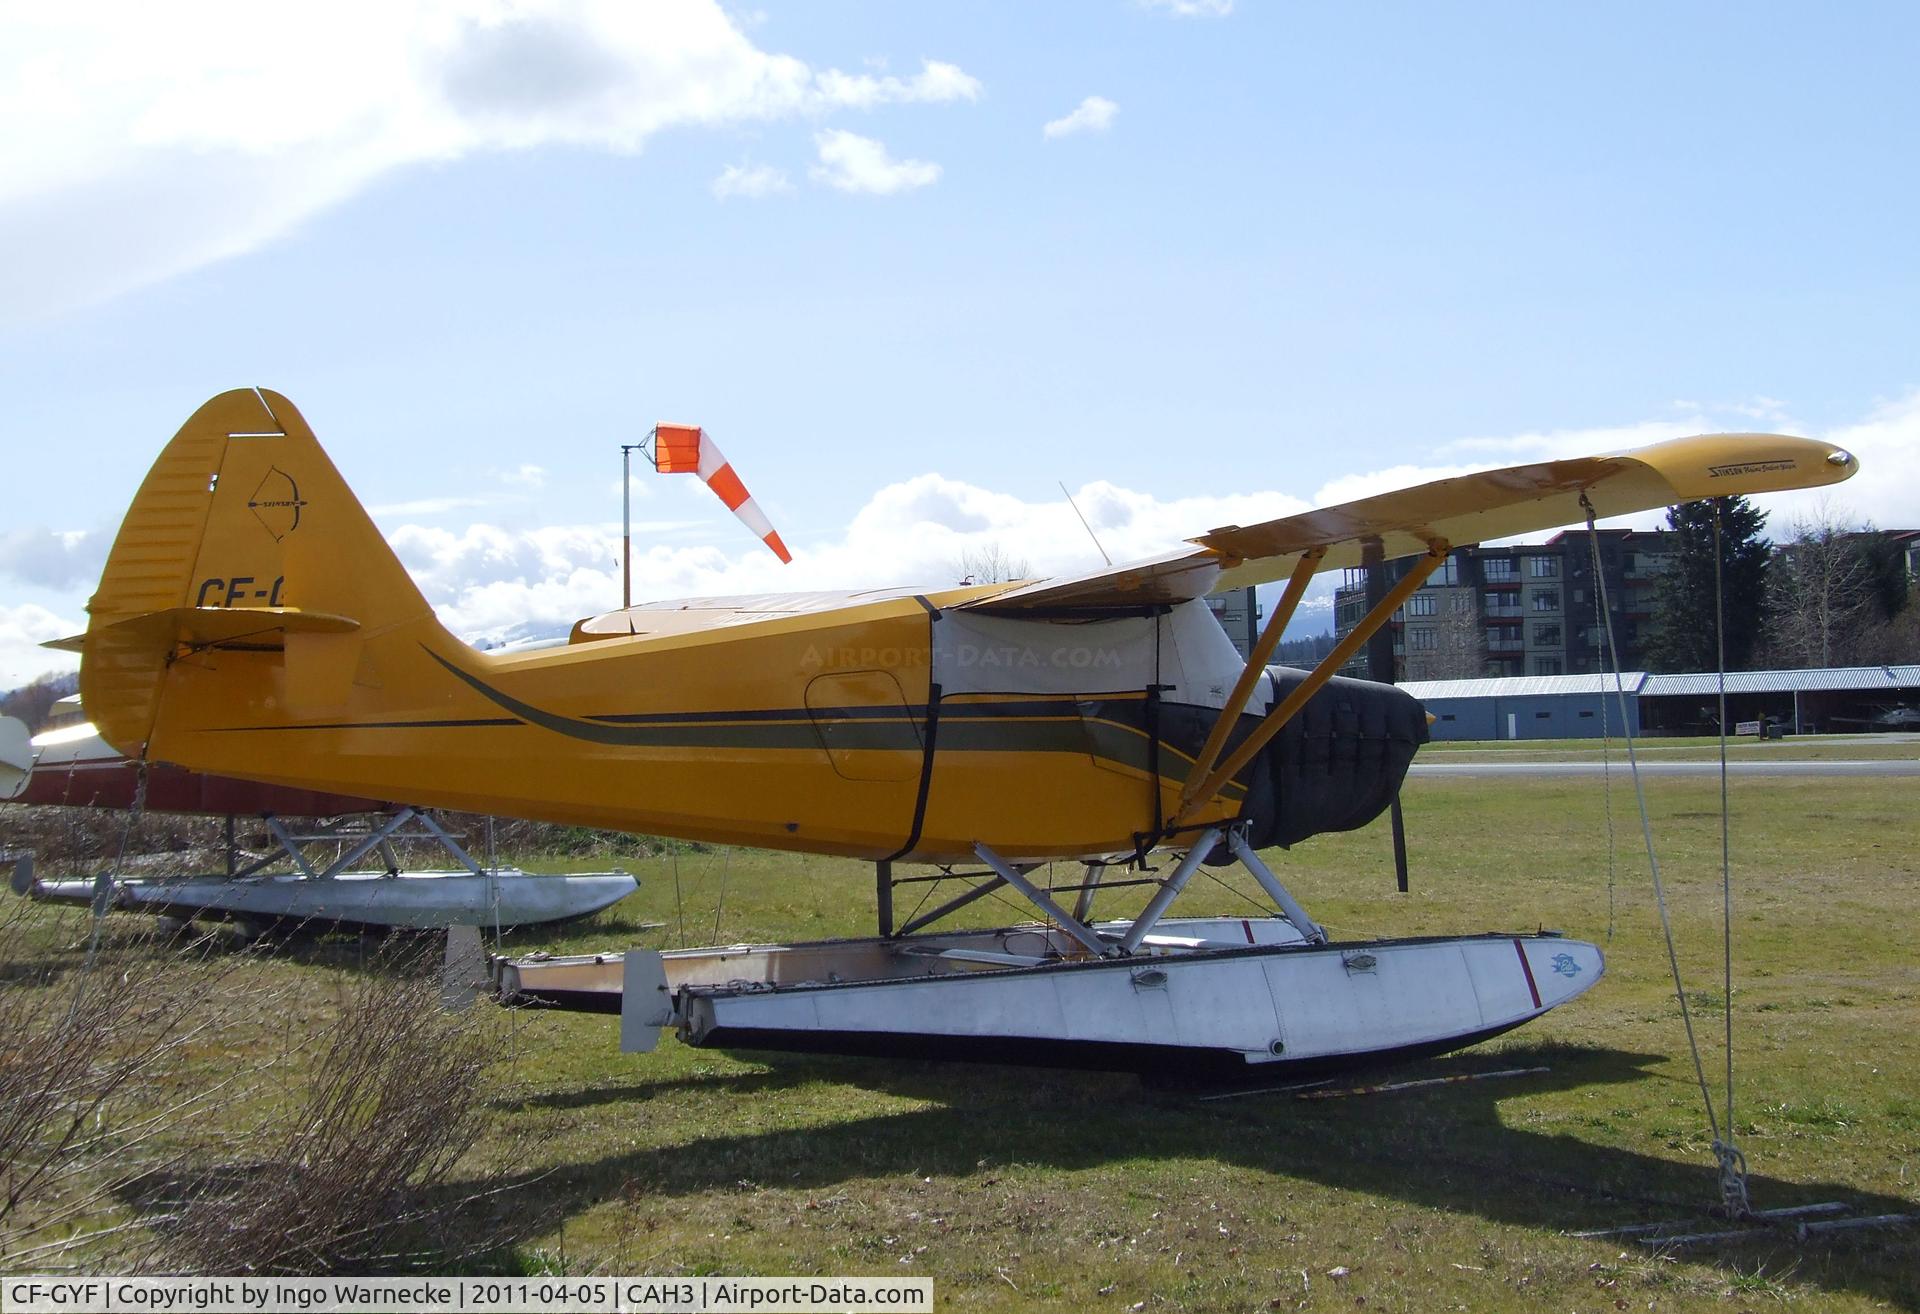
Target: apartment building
column 1529, row 609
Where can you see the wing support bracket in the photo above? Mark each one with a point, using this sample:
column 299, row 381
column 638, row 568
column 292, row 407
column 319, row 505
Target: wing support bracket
column 1201, row 789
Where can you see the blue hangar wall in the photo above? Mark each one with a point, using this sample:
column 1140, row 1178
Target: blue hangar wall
column 1529, row 716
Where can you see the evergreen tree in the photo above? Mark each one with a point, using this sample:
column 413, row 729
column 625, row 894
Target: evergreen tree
column 1683, row 602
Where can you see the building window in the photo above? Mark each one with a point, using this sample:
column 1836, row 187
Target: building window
column 1447, row 573
column 1498, row 568
column 1546, row 636
column 1546, row 666
column 1541, row 716
column 1586, row 716
column 1420, row 638
column 1543, row 567
column 1446, row 716
column 1421, row 604
column 1546, row 599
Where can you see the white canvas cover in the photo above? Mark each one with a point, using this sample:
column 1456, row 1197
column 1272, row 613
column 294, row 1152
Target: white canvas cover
column 1185, row 651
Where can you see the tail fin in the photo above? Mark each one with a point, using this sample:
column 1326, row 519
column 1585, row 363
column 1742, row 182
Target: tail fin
column 242, row 537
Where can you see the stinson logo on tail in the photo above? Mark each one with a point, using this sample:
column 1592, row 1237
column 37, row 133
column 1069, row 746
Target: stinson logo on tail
column 276, row 503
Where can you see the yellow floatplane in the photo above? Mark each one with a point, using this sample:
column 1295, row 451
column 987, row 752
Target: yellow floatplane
column 252, row 622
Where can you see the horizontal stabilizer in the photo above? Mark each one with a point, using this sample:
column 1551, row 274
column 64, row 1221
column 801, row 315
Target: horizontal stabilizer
column 213, row 627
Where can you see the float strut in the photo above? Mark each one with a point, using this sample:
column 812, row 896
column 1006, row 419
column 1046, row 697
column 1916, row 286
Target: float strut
column 1288, row 905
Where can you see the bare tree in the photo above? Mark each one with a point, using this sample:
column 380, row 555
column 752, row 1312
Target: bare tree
column 1822, row 595
column 1458, row 640
column 990, row 563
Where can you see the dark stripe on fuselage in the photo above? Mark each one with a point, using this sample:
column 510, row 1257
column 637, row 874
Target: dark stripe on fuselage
column 457, row 723
column 914, row 712
column 1107, row 727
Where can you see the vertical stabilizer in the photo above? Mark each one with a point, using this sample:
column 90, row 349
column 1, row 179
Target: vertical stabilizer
column 242, row 537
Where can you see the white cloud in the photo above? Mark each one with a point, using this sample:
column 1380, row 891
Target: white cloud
column 936, row 82
column 527, row 476
column 1094, row 114
column 22, row 630
column 752, row 181
column 1887, row 443
column 430, row 506
column 152, row 139
column 497, row 584
column 853, row 163
column 493, row 583
column 52, row 558
column 1191, row 8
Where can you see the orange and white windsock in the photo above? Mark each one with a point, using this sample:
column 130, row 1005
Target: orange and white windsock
column 686, row 449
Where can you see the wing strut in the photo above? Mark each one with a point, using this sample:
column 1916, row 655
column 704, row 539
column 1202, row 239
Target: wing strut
column 1256, row 667
column 1199, row 792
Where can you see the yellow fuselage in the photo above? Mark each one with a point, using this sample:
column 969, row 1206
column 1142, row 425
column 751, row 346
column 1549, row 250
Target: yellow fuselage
column 805, row 732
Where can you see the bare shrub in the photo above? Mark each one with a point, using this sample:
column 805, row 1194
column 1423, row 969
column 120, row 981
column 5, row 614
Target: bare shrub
column 187, row 1105
column 357, row 1174
column 93, row 1064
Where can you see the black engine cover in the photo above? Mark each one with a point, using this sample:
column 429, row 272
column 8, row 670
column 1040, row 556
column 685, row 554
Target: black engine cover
column 1337, row 764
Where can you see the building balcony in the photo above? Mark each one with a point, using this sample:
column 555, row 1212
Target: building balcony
column 1498, row 646
column 1514, row 612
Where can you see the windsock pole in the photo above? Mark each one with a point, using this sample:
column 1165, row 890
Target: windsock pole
column 626, row 523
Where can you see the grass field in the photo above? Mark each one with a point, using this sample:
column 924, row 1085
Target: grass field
column 1807, row 748
column 1010, row 1187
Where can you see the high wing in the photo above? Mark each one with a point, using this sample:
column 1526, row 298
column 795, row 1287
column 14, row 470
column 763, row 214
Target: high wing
column 1470, row 508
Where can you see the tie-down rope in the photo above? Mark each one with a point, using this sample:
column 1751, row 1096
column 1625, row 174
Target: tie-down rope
column 1733, row 1164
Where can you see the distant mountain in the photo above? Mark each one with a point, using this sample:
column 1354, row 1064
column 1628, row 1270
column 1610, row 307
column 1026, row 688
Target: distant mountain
column 33, row 703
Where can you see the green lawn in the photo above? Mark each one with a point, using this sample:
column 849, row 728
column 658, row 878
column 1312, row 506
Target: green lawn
column 1010, row 1187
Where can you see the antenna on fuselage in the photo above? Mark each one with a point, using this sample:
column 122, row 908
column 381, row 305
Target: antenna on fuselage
column 1083, row 523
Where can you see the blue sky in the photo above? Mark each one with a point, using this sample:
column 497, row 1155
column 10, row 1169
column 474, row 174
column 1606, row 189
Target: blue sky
column 1288, row 254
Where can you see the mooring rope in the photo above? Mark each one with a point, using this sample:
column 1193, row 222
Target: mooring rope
column 103, row 883
column 720, row 904
column 1606, row 737
column 1728, row 1157
column 1733, row 1164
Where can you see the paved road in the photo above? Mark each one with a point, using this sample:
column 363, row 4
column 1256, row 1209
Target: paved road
column 1655, row 767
